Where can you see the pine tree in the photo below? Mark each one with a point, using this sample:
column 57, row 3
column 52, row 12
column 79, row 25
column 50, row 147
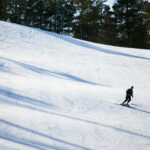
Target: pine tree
column 140, row 31
column 63, row 16
column 81, row 21
column 3, row 6
column 147, row 18
column 125, row 13
column 88, row 18
column 132, row 23
column 28, row 13
column 108, row 32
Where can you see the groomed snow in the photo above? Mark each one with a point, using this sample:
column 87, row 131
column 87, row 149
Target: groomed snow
column 61, row 93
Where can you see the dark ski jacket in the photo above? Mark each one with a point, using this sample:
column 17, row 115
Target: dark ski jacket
column 129, row 92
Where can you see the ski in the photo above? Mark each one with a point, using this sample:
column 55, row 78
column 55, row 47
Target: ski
column 127, row 106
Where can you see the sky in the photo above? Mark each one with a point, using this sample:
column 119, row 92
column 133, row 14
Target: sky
column 111, row 2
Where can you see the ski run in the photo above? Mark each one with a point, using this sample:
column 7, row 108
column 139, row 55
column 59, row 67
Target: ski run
column 61, row 93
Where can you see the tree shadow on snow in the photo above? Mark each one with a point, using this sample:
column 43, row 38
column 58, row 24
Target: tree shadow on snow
column 21, row 98
column 87, row 45
column 33, row 142
column 59, row 75
column 143, row 111
column 5, row 69
column 117, row 129
column 103, row 125
column 29, row 143
column 138, row 109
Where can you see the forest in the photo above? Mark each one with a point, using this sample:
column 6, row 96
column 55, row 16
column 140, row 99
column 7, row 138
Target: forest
column 126, row 24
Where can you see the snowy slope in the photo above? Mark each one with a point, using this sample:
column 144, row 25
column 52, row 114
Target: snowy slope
column 61, row 93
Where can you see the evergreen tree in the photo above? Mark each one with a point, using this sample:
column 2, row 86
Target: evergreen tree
column 81, row 22
column 140, row 33
column 108, row 32
column 88, row 17
column 147, row 18
column 14, row 11
column 63, row 16
column 125, row 12
column 28, row 13
column 132, row 23
column 127, row 25
column 3, row 7
column 96, row 20
column 38, row 13
column 58, row 15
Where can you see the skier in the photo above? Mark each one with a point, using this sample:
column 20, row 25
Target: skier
column 129, row 93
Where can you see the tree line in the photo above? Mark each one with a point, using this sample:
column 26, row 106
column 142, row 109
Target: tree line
column 127, row 23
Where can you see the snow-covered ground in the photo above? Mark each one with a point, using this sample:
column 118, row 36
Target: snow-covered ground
column 61, row 93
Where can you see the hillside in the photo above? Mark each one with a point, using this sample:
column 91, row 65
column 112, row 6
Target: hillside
column 61, row 93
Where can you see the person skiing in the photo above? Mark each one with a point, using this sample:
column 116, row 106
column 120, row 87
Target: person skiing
column 129, row 93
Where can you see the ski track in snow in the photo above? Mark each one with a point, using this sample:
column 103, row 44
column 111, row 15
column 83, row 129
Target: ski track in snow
column 62, row 93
